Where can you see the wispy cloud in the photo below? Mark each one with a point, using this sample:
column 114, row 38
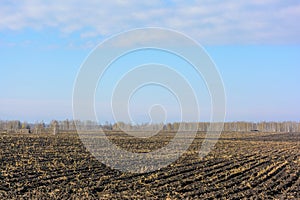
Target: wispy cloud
column 210, row 22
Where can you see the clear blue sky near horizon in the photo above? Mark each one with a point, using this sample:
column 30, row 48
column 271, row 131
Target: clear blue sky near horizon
column 255, row 46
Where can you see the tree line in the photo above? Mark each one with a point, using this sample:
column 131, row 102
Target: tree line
column 16, row 126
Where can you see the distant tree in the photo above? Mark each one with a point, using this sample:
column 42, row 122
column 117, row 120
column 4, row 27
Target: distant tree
column 54, row 127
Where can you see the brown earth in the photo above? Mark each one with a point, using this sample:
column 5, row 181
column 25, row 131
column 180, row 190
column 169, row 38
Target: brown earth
column 242, row 166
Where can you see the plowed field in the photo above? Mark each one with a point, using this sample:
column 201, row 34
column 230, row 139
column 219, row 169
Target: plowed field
column 242, row 165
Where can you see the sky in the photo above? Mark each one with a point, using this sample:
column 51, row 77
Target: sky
column 254, row 44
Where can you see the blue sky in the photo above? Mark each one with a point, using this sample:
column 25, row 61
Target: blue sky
column 255, row 45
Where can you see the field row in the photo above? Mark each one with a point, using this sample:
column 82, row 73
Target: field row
column 240, row 166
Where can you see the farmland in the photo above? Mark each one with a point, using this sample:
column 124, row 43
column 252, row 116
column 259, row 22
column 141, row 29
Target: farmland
column 242, row 165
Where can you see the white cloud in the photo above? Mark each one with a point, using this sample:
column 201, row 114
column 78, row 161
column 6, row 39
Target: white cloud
column 209, row 22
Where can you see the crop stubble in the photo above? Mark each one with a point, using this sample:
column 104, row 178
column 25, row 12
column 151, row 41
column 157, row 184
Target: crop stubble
column 242, row 165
